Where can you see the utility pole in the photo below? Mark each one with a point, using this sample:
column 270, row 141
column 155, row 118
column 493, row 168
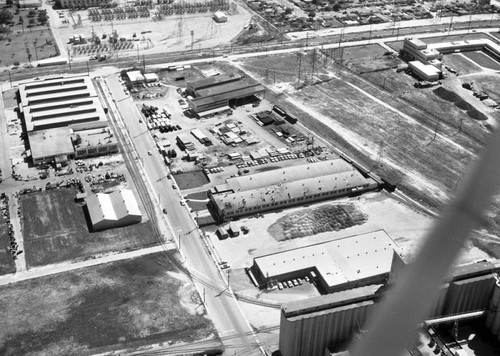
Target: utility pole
column 313, row 59
column 10, row 80
column 36, row 52
column 192, row 39
column 300, row 66
column 143, row 62
column 451, row 23
column 88, row 69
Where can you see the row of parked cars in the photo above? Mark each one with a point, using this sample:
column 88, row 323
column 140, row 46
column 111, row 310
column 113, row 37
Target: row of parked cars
column 293, row 283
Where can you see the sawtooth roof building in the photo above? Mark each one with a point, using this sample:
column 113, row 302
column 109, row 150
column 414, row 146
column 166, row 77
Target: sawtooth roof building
column 116, row 209
column 63, row 102
column 339, row 264
column 218, row 93
column 281, row 188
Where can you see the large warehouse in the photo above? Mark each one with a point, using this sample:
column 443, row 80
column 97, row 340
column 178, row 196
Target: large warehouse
column 116, row 209
column 339, row 264
column 324, row 325
column 289, row 186
column 218, row 93
column 63, row 102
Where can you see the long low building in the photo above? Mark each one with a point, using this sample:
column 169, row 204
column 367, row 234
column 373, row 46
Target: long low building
column 210, row 94
column 338, row 265
column 286, row 187
column 423, row 71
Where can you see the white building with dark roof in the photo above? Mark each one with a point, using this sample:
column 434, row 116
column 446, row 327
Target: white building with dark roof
column 116, row 209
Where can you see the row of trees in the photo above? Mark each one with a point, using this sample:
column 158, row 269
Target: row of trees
column 6, row 17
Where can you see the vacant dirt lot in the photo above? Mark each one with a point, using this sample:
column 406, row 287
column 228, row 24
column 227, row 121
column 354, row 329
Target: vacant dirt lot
column 55, row 229
column 114, row 306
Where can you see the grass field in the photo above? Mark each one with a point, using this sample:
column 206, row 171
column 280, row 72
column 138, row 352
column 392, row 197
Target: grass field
column 55, row 229
column 190, row 180
column 16, row 44
column 7, row 264
column 483, row 60
column 118, row 305
column 460, row 63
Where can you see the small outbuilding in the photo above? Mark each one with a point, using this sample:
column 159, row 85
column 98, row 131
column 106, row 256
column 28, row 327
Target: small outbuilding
column 150, row 77
column 135, row 77
column 220, row 17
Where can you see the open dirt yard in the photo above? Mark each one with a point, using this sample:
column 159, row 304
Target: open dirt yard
column 381, row 212
column 120, row 305
column 55, row 229
column 420, row 140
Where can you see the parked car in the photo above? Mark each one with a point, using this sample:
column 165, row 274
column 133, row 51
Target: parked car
column 290, row 284
column 280, row 285
column 295, row 283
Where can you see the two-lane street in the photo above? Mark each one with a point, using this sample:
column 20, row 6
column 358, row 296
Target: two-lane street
column 221, row 304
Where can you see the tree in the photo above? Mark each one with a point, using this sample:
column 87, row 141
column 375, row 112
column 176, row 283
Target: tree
column 42, row 17
column 336, row 6
column 9, row 2
column 32, row 22
column 5, row 17
column 31, row 13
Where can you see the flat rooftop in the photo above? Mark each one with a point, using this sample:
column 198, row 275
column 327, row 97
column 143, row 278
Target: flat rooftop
column 329, row 301
column 49, row 143
column 338, row 261
column 226, row 88
column 214, row 80
column 250, row 89
column 94, row 138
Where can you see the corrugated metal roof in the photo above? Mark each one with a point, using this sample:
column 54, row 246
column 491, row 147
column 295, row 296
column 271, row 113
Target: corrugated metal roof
column 226, row 88
column 223, row 98
column 210, row 81
column 289, row 174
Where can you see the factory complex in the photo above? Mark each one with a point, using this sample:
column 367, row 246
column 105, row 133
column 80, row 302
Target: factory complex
column 424, row 60
column 216, row 94
column 64, row 118
column 325, row 325
column 116, row 209
column 336, row 264
column 286, row 187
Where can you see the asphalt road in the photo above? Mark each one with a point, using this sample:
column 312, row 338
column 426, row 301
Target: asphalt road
column 221, row 304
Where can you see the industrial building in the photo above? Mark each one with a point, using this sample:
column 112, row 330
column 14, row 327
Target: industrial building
column 64, row 119
column 286, row 187
column 417, row 50
column 338, row 265
column 423, row 71
column 91, row 143
column 52, row 145
column 116, row 209
column 216, row 94
column 325, row 325
column 63, row 102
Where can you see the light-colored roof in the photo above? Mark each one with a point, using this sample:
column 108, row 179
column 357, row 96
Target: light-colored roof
column 329, row 301
column 338, row 261
column 135, row 76
column 289, row 174
column 150, row 76
column 51, row 142
column 112, row 207
column 427, row 69
column 94, row 138
column 213, row 80
column 130, row 202
column 340, row 183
